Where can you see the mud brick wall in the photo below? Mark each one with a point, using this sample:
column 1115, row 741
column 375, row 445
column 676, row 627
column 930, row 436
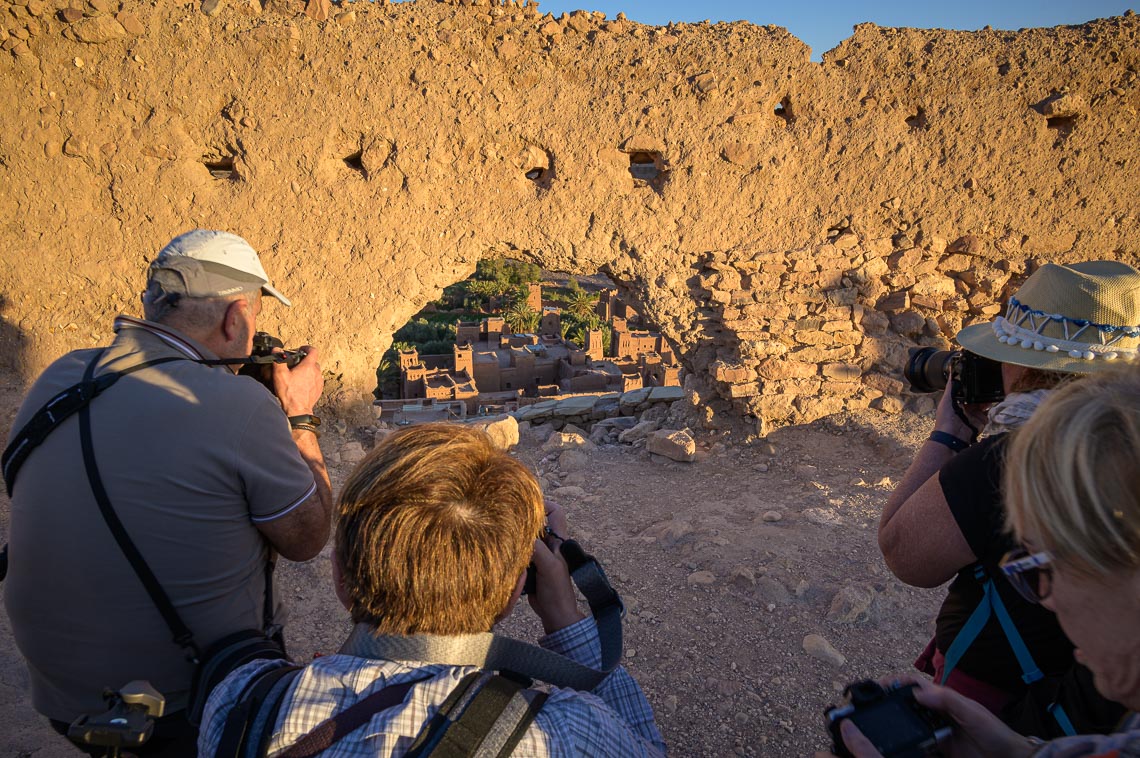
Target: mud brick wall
column 792, row 227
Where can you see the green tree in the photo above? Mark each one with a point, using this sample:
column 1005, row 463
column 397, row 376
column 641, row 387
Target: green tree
column 480, row 291
column 581, row 304
column 521, row 318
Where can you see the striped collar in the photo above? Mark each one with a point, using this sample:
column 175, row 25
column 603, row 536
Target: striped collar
column 174, row 339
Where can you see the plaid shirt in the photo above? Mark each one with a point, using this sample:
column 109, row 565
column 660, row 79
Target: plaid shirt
column 613, row 720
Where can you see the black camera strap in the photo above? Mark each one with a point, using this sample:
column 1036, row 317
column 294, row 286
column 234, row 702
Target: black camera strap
column 77, row 399
column 57, row 410
column 183, row 637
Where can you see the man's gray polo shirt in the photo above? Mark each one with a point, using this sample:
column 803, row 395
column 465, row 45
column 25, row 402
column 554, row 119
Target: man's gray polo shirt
column 192, row 458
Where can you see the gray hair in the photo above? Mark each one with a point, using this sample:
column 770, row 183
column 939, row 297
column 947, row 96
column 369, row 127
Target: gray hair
column 188, row 314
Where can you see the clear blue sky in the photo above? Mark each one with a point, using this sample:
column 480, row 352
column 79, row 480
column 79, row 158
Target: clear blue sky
column 823, row 24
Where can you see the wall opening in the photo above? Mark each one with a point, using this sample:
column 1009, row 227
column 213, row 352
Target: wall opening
column 648, row 168
column 918, row 120
column 513, row 333
column 355, row 162
column 784, row 110
column 1063, row 125
column 220, row 166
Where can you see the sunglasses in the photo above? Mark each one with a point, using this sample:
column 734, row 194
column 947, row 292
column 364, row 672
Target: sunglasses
column 1031, row 574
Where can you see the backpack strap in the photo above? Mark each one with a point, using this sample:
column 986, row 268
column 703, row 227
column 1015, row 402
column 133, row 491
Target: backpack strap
column 253, row 700
column 332, row 730
column 486, row 716
column 57, row 410
column 992, row 605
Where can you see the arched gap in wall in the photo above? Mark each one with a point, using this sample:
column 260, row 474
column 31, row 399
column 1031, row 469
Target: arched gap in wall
column 512, row 334
column 918, row 120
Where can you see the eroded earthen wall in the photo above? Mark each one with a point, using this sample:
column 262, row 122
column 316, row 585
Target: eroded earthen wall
column 809, row 223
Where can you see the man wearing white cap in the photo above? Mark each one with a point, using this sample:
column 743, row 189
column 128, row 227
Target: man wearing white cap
column 207, row 472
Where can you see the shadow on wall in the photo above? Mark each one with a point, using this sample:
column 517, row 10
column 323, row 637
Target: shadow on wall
column 13, row 344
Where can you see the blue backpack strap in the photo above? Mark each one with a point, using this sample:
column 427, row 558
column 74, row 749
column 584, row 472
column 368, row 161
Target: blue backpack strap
column 1030, row 673
column 971, row 629
column 992, row 604
column 1062, row 719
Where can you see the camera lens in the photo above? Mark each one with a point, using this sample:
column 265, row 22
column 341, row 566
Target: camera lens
column 928, row 369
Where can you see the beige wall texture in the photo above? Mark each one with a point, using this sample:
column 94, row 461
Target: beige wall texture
column 809, row 221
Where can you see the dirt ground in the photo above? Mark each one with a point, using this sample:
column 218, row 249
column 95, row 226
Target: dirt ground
column 721, row 595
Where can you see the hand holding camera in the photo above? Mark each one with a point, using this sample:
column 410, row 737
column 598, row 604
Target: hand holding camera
column 552, row 594
column 294, row 376
column 914, row 717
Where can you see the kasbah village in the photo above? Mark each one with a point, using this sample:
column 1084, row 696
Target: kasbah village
column 675, row 270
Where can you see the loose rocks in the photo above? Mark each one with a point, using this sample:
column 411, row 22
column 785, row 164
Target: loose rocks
column 674, row 444
column 822, row 650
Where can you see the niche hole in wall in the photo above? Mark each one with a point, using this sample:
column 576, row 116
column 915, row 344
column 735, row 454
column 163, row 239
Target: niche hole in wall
column 220, row 167
column 918, row 120
column 1063, row 125
column 784, row 110
column 645, row 166
column 355, row 162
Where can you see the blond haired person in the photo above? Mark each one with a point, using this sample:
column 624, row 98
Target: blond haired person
column 435, row 530
column 1073, row 497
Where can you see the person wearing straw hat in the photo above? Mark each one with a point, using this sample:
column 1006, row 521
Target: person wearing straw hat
column 1072, row 484
column 199, row 466
column 945, row 521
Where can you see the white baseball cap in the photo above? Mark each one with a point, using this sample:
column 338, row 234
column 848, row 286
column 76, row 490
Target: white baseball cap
column 208, row 263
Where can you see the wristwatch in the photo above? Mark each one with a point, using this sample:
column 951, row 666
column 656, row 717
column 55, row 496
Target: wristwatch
column 306, row 422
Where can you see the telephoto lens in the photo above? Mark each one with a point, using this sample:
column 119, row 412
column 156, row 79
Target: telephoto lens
column 928, row 369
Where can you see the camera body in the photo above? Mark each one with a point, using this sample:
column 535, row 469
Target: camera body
column 976, row 379
column 264, row 355
column 890, row 718
column 128, row 721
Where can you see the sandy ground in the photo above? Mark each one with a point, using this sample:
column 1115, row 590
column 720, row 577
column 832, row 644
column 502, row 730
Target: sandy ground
column 720, row 599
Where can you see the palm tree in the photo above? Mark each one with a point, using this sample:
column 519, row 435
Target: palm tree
column 481, row 291
column 581, row 304
column 521, row 318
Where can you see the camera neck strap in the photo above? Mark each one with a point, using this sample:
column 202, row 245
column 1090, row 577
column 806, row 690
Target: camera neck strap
column 498, row 653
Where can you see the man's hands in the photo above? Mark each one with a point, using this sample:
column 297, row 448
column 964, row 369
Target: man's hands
column 554, row 599
column 300, row 387
column 977, row 732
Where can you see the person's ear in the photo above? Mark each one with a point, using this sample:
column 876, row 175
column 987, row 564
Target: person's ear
column 233, row 320
column 338, row 582
column 516, row 593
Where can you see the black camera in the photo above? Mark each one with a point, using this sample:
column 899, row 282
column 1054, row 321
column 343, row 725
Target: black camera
column 128, row 721
column 976, row 379
column 890, row 718
column 259, row 365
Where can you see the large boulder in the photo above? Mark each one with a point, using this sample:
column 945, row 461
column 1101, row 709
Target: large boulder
column 674, row 444
column 503, row 430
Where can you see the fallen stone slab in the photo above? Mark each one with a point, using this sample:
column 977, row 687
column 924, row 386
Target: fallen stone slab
column 666, row 394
